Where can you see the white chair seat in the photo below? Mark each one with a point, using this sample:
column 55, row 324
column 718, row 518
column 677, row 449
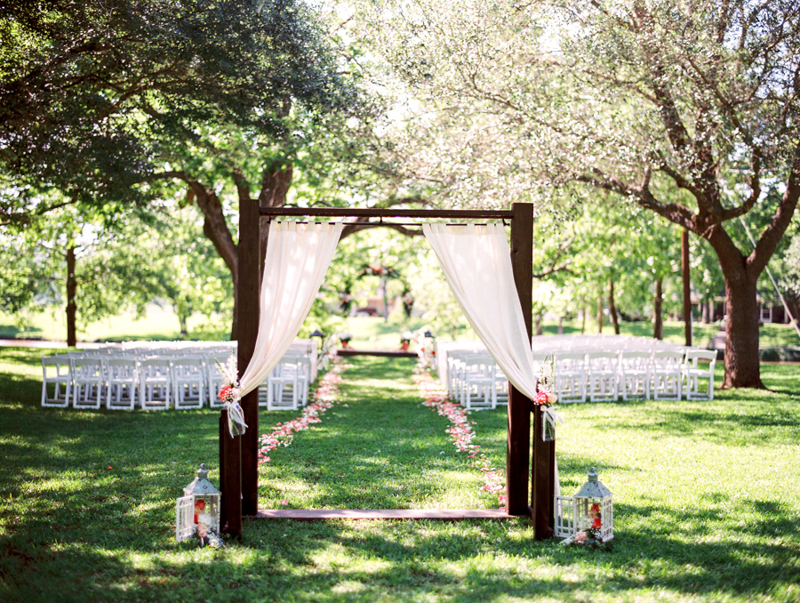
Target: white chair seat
column 693, row 373
column 569, row 371
column 122, row 374
column 667, row 375
column 56, row 377
column 189, row 382
column 155, row 383
column 635, row 375
column 88, row 378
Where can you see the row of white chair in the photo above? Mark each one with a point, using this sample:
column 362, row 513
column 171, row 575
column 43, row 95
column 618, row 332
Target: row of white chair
column 475, row 380
column 124, row 382
column 88, row 381
column 660, row 374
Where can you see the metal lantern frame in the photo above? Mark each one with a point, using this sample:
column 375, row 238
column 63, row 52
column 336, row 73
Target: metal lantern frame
column 200, row 489
column 578, row 513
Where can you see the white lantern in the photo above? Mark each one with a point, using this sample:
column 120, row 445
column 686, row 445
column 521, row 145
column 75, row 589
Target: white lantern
column 587, row 517
column 198, row 511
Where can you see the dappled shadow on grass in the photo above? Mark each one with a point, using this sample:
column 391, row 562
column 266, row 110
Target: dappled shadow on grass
column 367, row 561
column 72, row 528
column 379, row 449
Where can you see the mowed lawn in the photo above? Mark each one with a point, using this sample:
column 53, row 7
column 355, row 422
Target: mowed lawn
column 707, row 502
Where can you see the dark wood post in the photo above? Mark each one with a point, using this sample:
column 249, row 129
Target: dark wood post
column 519, row 407
column 543, row 473
column 248, row 289
column 230, row 480
column 687, row 286
column 72, row 291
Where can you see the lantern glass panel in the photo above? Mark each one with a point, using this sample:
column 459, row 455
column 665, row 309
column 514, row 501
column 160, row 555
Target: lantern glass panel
column 548, row 427
column 594, row 510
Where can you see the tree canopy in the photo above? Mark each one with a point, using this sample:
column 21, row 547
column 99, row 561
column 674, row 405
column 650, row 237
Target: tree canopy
column 689, row 109
column 91, row 92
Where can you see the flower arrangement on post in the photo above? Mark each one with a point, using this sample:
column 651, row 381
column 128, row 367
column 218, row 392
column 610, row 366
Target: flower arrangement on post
column 405, row 341
column 345, row 338
column 545, row 398
column 231, row 396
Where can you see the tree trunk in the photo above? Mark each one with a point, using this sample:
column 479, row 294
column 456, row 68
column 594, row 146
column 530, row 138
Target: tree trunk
column 184, row 326
column 687, row 287
column 583, row 318
column 600, row 315
column 72, row 290
column 658, row 321
column 707, row 312
column 538, row 318
column 612, row 309
column 560, row 325
column 742, row 362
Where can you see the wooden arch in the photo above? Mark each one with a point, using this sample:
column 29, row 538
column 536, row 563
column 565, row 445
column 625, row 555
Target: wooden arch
column 239, row 456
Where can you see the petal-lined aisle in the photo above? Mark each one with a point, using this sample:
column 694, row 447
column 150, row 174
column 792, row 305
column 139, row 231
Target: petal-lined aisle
column 461, row 431
column 377, row 447
column 327, row 394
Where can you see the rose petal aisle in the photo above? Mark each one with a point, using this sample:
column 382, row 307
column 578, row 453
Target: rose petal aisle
column 461, row 431
column 326, row 396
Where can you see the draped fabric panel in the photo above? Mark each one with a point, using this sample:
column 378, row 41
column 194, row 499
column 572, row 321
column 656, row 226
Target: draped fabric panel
column 298, row 256
column 476, row 261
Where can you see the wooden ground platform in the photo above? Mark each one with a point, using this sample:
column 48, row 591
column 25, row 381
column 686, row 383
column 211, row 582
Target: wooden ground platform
column 396, row 514
column 390, row 353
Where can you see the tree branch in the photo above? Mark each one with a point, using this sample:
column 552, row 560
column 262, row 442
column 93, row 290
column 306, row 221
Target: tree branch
column 770, row 238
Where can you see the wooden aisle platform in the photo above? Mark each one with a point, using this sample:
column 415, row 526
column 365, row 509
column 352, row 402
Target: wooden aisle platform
column 389, row 353
column 396, row 514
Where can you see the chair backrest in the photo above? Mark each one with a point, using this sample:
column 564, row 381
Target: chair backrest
column 121, row 366
column 694, row 355
column 668, row 359
column 602, row 360
column 155, row 366
column 60, row 363
column 635, row 359
column 570, row 360
column 86, row 367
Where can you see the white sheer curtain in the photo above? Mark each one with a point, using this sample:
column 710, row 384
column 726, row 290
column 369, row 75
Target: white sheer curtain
column 298, row 256
column 476, row 261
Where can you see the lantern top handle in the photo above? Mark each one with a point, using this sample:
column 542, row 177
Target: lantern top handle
column 202, row 472
column 592, row 474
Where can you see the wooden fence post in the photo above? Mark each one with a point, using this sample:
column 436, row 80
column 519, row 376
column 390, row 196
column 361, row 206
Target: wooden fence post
column 519, row 407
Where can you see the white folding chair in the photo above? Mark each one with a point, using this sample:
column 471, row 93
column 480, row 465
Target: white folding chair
column 635, row 375
column 88, row 378
column 188, row 382
column 215, row 379
column 155, row 383
column 569, row 369
column 479, row 380
column 667, row 374
column 693, row 373
column 281, row 387
column 301, row 366
column 500, row 385
column 56, row 377
column 602, row 376
column 122, row 377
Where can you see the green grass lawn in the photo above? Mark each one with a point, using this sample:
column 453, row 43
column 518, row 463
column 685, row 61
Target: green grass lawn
column 706, row 501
